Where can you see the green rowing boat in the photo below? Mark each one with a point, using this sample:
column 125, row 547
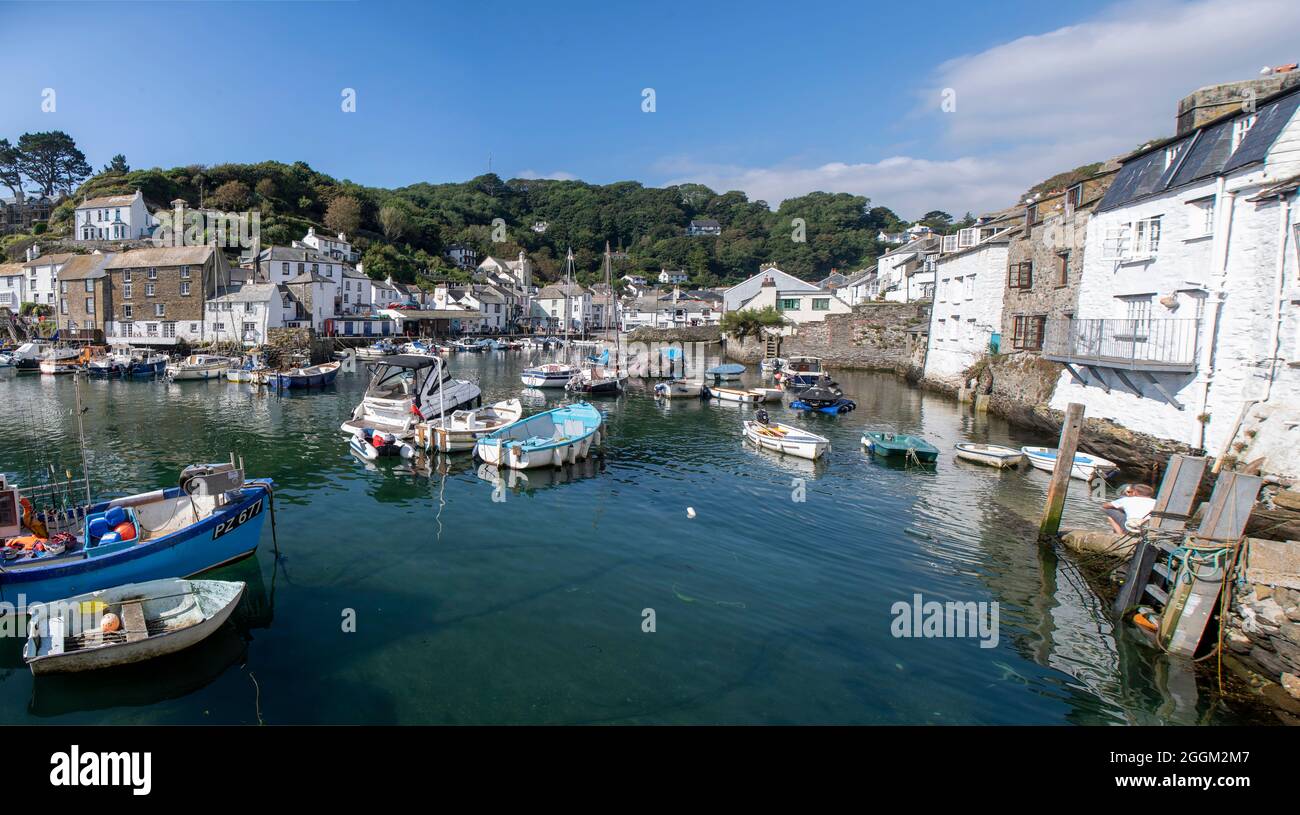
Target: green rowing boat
column 899, row 444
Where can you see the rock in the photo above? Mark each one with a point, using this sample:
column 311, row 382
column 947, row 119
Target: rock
column 1270, row 612
column 1269, row 665
column 1287, row 652
column 1262, row 592
column 1238, row 641
column 1275, row 695
column 1291, row 684
column 1293, row 614
column 1289, row 499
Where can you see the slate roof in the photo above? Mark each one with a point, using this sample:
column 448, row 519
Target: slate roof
column 85, row 267
column 161, row 256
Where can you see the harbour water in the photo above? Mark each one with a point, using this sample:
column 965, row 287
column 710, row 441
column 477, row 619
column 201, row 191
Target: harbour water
column 481, row 598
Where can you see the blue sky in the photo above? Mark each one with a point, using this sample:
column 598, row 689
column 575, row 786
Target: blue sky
column 773, row 98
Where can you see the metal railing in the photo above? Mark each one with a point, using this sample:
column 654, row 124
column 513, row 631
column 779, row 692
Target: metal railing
column 1137, row 344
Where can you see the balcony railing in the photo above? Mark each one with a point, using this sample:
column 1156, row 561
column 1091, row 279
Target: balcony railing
column 1138, row 345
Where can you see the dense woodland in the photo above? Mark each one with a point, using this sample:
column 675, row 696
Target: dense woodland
column 405, row 232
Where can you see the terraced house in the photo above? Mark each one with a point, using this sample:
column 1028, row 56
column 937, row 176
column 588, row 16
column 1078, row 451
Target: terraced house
column 85, row 298
column 158, row 294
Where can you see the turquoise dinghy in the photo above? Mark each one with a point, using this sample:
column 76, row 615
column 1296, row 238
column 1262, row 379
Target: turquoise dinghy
column 560, row 436
column 214, row 518
column 883, row 443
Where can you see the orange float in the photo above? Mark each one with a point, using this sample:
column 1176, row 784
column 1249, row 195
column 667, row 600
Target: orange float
column 125, row 530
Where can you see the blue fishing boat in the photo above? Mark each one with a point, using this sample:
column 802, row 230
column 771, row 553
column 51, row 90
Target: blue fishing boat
column 313, row 376
column 550, row 439
column 214, row 517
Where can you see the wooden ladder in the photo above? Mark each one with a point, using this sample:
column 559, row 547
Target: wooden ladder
column 1173, row 507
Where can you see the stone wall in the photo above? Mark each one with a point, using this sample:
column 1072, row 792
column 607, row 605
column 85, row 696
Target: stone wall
column 284, row 343
column 874, row 336
column 1263, row 631
column 697, row 333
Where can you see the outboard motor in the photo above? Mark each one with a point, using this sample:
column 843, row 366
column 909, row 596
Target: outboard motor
column 760, row 416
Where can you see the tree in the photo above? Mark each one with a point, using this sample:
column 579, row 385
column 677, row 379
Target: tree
column 344, row 214
column 52, row 160
column 749, row 322
column 232, row 195
column 266, row 188
column 395, row 222
column 117, row 165
column 936, row 219
column 11, row 173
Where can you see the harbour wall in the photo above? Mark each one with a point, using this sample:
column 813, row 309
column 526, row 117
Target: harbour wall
column 872, row 337
column 1263, row 632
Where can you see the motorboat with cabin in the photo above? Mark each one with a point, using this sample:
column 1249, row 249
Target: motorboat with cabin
column 27, row 358
column 200, row 367
column 406, row 389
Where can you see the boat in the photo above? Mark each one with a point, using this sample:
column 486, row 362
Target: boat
column 27, row 358
column 1085, row 467
column 992, row 455
column 679, row 389
column 371, row 444
column 123, row 360
column 212, row 518
column 126, row 624
column 597, row 379
column 730, row 370
column 198, row 367
column 741, row 395
column 769, row 394
column 406, row 389
column 801, row 372
column 887, row 443
column 145, row 363
column 784, row 438
column 824, row 399
column 253, row 370
column 548, row 439
column 377, row 350
column 467, row 345
column 554, row 375
column 312, row 376
column 54, row 365
column 459, row 430
column 770, row 365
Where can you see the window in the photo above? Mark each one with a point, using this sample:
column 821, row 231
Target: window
column 1031, row 215
column 1146, row 237
column 821, row 304
column 159, row 309
column 63, row 287
column 153, row 273
column 248, row 307
column 126, row 291
column 128, row 312
column 300, row 268
column 148, row 289
column 1062, row 269
column 1021, row 275
column 1074, row 197
column 284, row 267
column 788, row 304
column 250, row 329
column 185, row 273
column 169, row 329
column 1171, row 155
column 1240, row 128
column 90, row 287
column 1027, row 332
column 185, row 289
column 127, row 329
column 1201, row 223
column 63, row 306
column 90, row 305
column 968, row 286
column 151, row 329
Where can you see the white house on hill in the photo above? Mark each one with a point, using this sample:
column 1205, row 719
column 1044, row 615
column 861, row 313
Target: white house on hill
column 113, row 218
column 735, row 297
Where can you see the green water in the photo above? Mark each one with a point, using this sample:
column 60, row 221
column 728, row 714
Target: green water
column 476, row 600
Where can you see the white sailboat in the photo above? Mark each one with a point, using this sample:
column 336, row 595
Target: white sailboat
column 555, row 374
column 199, row 367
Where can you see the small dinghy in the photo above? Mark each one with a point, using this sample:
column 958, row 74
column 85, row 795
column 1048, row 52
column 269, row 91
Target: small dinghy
column 903, row 445
column 462, row 428
column 730, row 370
column 126, row 624
column 1086, row 467
column 783, row 438
column 370, row 444
column 679, row 389
column 549, row 439
column 743, row 396
column 992, row 455
column 313, row 376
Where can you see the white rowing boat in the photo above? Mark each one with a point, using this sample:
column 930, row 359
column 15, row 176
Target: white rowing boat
column 741, row 395
column 462, row 428
column 126, row 624
column 992, row 455
column 1085, row 467
column 784, row 438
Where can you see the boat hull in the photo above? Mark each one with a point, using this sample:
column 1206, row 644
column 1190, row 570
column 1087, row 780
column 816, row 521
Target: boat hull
column 835, row 408
column 679, row 390
column 901, row 448
column 743, row 397
column 1085, row 467
column 196, row 374
column 990, row 455
column 318, row 379
column 800, row 445
column 229, row 534
column 514, row 448
column 140, row 651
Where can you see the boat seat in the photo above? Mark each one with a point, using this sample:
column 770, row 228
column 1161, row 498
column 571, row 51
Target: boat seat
column 133, row 621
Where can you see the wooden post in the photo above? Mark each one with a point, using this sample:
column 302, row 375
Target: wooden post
column 1051, row 522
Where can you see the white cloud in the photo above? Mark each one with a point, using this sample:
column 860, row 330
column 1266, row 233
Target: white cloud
column 1042, row 104
column 557, row 175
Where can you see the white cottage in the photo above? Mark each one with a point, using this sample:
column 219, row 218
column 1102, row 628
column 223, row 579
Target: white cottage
column 245, row 314
column 113, row 218
column 1189, row 303
column 339, row 248
column 967, row 311
column 735, row 297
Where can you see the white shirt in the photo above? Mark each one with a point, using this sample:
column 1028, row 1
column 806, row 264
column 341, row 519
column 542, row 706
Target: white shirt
column 1136, row 509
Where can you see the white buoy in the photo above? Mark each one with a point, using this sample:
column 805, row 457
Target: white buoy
column 690, row 512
